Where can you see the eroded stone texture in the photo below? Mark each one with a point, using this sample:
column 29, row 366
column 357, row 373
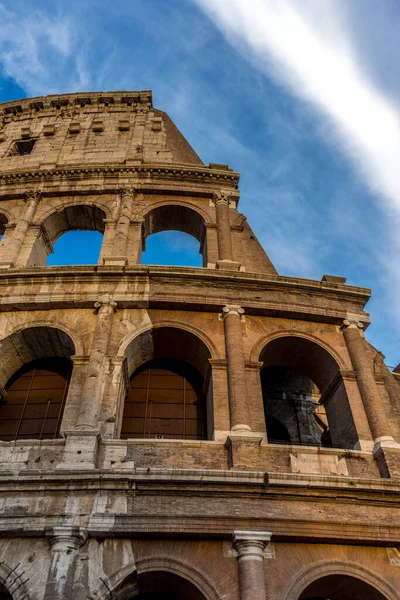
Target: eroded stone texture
column 236, row 516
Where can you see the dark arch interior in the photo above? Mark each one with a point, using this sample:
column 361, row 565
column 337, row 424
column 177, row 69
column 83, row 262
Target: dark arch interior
column 176, row 218
column 80, row 222
column 303, row 390
column 276, row 431
column 292, row 410
column 31, row 344
column 33, row 405
column 169, row 394
column 303, row 355
column 3, row 223
column 157, row 585
column 340, row 587
column 78, row 217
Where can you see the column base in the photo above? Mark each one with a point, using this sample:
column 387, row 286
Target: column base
column 364, row 445
column 115, row 261
column 81, row 449
column 6, row 265
column 243, row 448
column 228, row 265
column 387, row 456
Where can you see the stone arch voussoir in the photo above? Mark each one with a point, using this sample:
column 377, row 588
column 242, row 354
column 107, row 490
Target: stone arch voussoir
column 62, row 205
column 265, row 340
column 131, row 336
column 177, row 567
column 322, row 569
column 15, row 581
column 186, row 204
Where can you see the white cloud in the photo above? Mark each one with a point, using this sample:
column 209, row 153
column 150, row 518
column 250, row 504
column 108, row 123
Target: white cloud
column 310, row 50
column 33, row 47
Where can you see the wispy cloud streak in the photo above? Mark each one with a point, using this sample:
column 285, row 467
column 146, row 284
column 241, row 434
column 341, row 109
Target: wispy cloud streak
column 312, row 52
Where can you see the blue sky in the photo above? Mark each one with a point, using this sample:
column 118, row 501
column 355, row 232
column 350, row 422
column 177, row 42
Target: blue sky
column 300, row 96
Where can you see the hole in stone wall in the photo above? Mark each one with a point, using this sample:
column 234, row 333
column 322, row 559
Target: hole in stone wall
column 3, row 223
column 22, row 147
column 303, row 389
column 173, row 248
column 292, row 410
column 174, row 235
column 76, row 248
column 340, row 587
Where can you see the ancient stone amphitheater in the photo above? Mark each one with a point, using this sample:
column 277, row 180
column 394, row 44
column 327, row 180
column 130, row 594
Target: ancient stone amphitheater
column 214, row 433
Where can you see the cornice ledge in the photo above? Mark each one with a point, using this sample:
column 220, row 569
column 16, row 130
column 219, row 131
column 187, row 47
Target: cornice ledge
column 170, row 170
column 357, row 484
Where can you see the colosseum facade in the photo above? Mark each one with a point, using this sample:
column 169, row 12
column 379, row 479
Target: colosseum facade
column 213, row 433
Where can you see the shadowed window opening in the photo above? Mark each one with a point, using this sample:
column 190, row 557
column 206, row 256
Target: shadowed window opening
column 292, row 410
column 340, row 587
column 22, row 147
column 84, row 225
column 157, row 585
column 303, row 388
column 172, row 248
column 177, row 237
column 3, row 223
column 34, row 403
column 76, row 248
column 165, row 400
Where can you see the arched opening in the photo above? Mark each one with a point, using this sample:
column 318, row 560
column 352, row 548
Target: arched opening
column 178, row 237
column 72, row 235
column 340, row 587
column 34, row 378
column 169, row 393
column 157, row 585
column 3, row 223
column 76, row 248
column 304, row 392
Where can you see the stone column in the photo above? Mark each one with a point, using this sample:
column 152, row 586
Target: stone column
column 123, row 222
column 88, row 417
column 225, row 254
column 32, row 199
column 65, row 543
column 374, row 408
column 250, row 546
column 238, row 406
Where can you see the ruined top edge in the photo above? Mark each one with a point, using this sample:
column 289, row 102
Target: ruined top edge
column 110, row 97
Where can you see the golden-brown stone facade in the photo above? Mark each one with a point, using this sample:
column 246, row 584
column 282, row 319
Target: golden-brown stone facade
column 274, row 475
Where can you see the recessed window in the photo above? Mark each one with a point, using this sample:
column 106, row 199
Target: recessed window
column 23, row 147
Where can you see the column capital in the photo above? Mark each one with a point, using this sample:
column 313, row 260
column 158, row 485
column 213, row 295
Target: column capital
column 33, row 195
column 232, row 309
column 105, row 306
column 222, row 197
column 64, row 537
column 127, row 191
column 351, row 324
column 250, row 545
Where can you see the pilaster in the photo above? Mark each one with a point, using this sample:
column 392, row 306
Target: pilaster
column 250, row 546
column 238, row 405
column 65, row 543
